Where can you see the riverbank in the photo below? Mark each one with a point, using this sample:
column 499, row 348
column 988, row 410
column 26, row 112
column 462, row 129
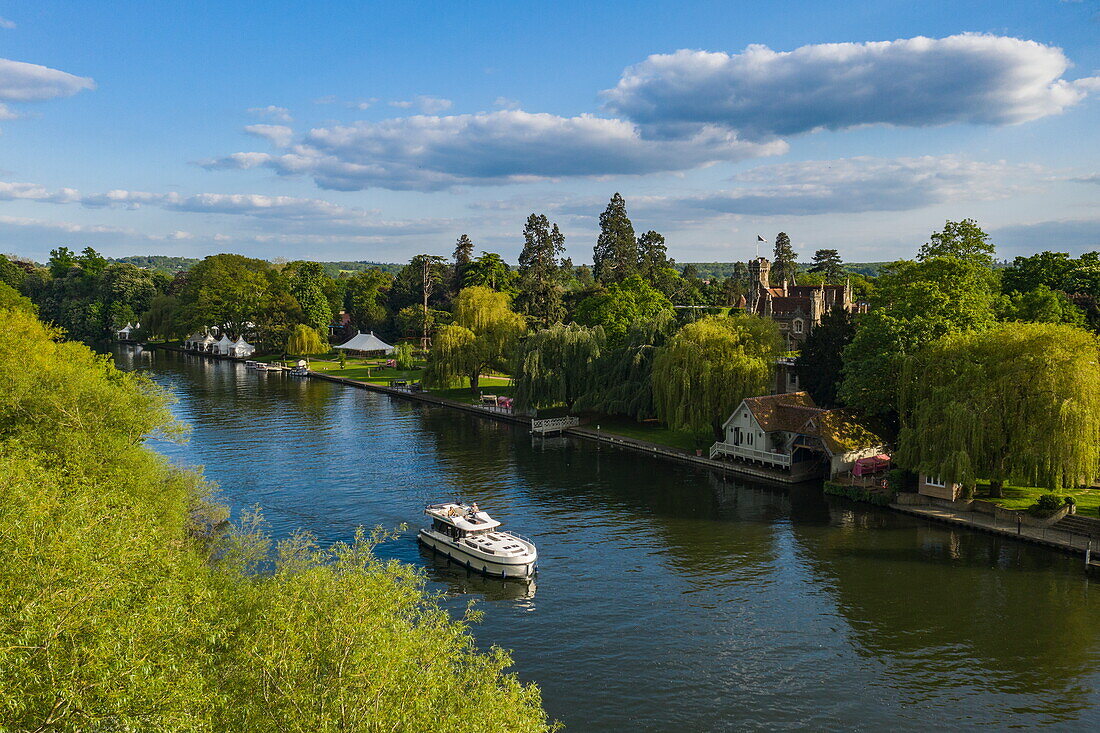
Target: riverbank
column 1046, row 537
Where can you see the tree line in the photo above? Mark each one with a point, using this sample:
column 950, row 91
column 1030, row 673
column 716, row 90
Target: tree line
column 611, row 338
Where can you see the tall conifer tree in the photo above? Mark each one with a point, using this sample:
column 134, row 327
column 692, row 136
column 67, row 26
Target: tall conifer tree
column 652, row 255
column 463, row 256
column 540, row 271
column 785, row 264
column 615, row 256
column 829, row 264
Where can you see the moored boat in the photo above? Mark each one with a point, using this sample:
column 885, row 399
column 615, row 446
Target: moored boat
column 471, row 538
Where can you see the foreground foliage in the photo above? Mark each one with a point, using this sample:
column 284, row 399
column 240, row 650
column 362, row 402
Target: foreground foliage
column 120, row 610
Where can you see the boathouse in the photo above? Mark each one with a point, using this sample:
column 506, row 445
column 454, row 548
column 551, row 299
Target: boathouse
column 791, row 433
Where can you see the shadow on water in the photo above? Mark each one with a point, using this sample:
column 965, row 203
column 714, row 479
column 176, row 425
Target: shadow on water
column 668, row 598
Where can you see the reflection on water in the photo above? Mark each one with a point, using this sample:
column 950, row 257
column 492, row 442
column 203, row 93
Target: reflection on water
column 668, row 598
column 458, row 580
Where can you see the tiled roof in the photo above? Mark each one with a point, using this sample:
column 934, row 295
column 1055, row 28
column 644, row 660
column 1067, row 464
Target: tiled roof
column 790, row 305
column 795, row 412
column 840, row 431
column 782, row 411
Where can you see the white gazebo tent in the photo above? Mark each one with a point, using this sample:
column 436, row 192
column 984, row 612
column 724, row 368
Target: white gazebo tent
column 224, row 345
column 124, row 333
column 366, row 342
column 242, row 348
column 207, row 343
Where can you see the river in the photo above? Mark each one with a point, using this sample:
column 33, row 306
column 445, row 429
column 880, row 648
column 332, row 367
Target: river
column 668, row 598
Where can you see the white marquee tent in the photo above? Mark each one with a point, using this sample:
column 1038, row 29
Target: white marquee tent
column 242, row 348
column 224, row 345
column 366, row 342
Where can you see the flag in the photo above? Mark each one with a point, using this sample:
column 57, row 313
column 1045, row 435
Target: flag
column 760, row 239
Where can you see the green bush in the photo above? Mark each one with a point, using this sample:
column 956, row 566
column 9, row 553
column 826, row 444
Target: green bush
column 1070, row 501
column 897, row 479
column 1047, row 504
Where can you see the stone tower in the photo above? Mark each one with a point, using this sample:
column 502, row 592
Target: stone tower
column 760, row 296
column 760, row 272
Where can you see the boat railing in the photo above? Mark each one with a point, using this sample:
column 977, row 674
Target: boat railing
column 519, row 536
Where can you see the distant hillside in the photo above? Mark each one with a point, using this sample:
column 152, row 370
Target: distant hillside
column 335, row 268
column 173, row 265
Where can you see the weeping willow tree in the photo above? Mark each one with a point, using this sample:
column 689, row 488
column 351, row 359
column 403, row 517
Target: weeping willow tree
column 622, row 381
column 709, row 366
column 1018, row 403
column 304, row 341
column 554, row 366
column 484, row 331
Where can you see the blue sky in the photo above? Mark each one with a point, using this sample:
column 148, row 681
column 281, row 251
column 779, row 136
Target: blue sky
column 379, row 130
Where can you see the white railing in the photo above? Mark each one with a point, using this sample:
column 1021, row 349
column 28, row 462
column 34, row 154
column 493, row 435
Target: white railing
column 554, row 424
column 740, row 451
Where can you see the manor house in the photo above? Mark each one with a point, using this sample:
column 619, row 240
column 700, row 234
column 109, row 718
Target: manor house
column 797, row 309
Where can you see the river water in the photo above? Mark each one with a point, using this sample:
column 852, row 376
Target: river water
column 668, row 598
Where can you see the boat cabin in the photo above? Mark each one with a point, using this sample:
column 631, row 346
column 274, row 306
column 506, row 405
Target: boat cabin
column 459, row 520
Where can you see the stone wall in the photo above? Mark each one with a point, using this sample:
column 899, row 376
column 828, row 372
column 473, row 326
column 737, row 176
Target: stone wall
column 1008, row 516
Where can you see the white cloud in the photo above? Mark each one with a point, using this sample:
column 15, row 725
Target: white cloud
column 278, row 135
column 284, row 212
column 7, row 24
column 423, row 102
column 430, row 152
column 1074, row 236
column 271, row 112
column 915, row 82
column 506, row 103
column 23, row 82
column 64, row 226
column 846, row 186
column 7, row 113
column 433, row 105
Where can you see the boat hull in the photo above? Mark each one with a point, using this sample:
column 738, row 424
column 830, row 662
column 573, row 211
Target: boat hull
column 501, row 567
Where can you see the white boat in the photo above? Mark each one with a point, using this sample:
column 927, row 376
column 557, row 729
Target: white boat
column 260, row 367
column 299, row 371
column 470, row 537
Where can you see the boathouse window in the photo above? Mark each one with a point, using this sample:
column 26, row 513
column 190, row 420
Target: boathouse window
column 934, row 481
column 748, row 438
column 798, row 326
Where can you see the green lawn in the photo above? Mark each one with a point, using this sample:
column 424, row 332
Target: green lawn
column 650, row 431
column 372, row 371
column 1022, row 497
column 499, row 386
